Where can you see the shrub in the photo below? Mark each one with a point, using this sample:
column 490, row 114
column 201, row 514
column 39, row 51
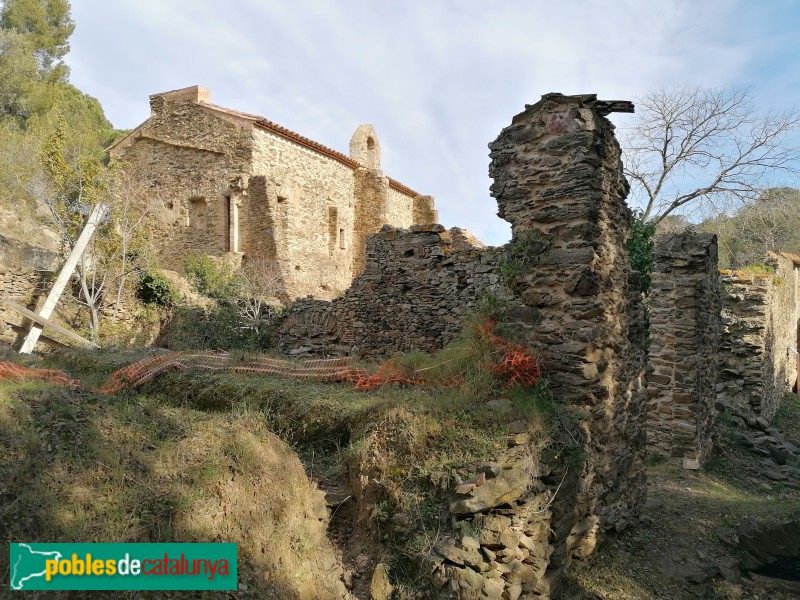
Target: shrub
column 641, row 249
column 760, row 269
column 520, row 254
column 209, row 279
column 156, row 289
column 213, row 328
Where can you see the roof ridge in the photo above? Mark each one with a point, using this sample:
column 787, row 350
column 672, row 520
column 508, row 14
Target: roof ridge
column 293, row 136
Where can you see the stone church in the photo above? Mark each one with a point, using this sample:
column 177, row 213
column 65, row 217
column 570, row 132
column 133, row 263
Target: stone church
column 238, row 187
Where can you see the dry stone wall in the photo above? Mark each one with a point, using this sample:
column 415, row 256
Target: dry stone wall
column 758, row 347
column 576, row 304
column 685, row 325
column 558, row 181
column 23, row 268
column 417, row 287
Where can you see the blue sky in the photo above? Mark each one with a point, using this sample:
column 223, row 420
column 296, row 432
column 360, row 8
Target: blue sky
column 438, row 79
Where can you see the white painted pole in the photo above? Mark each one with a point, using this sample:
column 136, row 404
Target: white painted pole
column 95, row 217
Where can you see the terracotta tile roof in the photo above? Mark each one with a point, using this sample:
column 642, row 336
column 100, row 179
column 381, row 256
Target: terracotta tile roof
column 402, row 188
column 292, row 136
column 286, row 134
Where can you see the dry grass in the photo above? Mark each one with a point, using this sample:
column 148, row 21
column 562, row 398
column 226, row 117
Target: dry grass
column 193, row 456
column 76, row 466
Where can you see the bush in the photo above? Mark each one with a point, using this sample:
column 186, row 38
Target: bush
column 209, row 279
column 217, row 327
column 156, row 289
column 641, row 249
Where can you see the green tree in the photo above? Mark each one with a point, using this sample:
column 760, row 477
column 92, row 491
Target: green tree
column 767, row 224
column 46, row 26
column 74, row 184
column 19, row 77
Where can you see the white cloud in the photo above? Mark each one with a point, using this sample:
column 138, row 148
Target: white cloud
column 438, row 79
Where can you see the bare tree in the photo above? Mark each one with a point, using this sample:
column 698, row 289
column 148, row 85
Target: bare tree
column 132, row 200
column 690, row 146
column 260, row 287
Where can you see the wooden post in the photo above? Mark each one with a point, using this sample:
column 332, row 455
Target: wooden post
column 97, row 215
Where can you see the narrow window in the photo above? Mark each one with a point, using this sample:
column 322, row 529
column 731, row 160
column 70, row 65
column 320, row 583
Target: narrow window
column 227, row 223
column 333, row 223
column 233, row 224
column 341, row 240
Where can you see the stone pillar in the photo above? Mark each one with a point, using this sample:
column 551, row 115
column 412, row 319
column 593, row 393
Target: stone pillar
column 370, row 208
column 558, row 180
column 685, row 324
column 233, row 223
column 423, row 211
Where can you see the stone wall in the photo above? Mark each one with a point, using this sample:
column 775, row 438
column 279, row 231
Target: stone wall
column 685, row 325
column 191, row 161
column 23, row 268
column 240, row 188
column 416, row 289
column 758, row 360
column 310, row 203
column 27, row 273
column 576, row 304
column 558, row 180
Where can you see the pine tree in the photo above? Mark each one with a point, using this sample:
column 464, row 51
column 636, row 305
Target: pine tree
column 46, row 26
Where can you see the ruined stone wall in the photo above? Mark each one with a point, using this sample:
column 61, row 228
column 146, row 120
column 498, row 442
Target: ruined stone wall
column 576, row 303
column 20, row 286
column 757, row 361
column 685, row 325
column 23, row 267
column 558, row 181
column 416, row 289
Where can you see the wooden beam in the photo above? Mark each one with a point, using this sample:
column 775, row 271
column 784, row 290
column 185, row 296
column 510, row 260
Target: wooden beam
column 98, row 212
column 23, row 331
column 47, row 323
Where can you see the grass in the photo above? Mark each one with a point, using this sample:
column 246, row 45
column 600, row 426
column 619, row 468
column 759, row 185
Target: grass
column 787, row 416
column 160, row 463
column 78, row 466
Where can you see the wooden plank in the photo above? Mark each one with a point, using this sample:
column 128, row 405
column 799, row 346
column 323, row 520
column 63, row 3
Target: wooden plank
column 98, row 212
column 47, row 323
column 19, row 329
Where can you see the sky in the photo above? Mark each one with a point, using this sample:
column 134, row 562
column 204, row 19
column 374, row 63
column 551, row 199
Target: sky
column 439, row 79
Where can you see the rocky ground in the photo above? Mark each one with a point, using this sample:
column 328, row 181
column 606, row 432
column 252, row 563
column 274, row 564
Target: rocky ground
column 709, row 533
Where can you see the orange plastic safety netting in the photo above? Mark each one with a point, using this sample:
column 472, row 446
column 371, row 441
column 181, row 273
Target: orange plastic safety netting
column 516, row 365
column 510, row 362
column 138, row 373
column 10, row 371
